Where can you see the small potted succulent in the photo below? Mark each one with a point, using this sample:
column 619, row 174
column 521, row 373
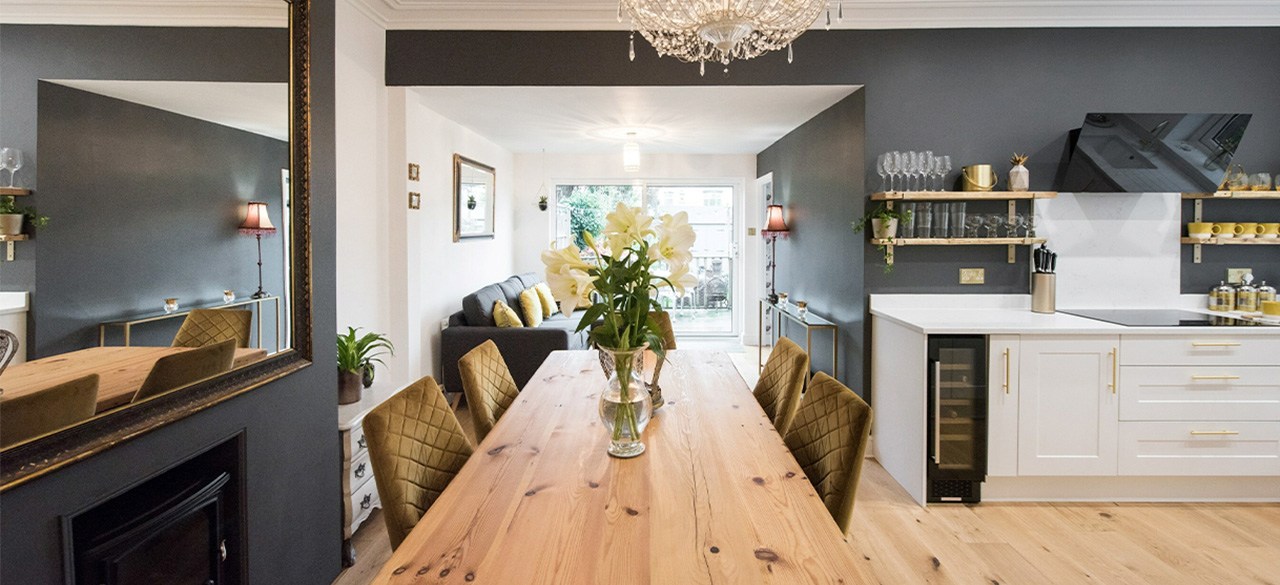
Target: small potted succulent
column 12, row 216
column 1019, row 176
column 356, row 356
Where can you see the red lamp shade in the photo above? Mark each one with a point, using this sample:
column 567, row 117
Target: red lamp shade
column 774, row 223
column 256, row 220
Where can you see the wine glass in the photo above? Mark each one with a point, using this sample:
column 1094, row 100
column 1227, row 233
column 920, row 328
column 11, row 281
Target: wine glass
column 936, row 172
column 881, row 170
column 946, row 168
column 895, row 170
column 10, row 160
column 972, row 225
column 994, row 222
column 926, row 167
column 1019, row 226
column 913, row 166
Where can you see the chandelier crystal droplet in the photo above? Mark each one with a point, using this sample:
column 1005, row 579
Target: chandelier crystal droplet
column 697, row 31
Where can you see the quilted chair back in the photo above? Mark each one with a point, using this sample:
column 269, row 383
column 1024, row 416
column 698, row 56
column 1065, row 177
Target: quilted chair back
column 416, row 447
column 488, row 385
column 204, row 327
column 668, row 332
column 56, row 407
column 8, row 348
column 192, row 365
column 781, row 382
column 829, row 439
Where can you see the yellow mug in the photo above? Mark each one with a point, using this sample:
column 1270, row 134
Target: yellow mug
column 1200, row 230
column 1269, row 230
column 1224, row 229
column 1271, row 308
column 1247, row 229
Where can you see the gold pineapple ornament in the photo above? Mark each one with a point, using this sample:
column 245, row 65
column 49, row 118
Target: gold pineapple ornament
column 1019, row 176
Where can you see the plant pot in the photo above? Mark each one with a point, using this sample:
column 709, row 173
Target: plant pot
column 471, row 204
column 349, row 386
column 542, row 205
column 884, row 229
column 10, row 224
column 1019, row 178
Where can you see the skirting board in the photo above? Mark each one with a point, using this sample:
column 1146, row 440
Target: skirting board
column 1131, row 489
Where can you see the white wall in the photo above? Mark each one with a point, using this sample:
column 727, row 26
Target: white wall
column 366, row 260
column 535, row 229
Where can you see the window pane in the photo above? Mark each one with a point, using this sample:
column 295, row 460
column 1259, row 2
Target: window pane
column 582, row 208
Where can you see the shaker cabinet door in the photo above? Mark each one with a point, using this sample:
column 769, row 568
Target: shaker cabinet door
column 1068, row 407
column 1002, row 405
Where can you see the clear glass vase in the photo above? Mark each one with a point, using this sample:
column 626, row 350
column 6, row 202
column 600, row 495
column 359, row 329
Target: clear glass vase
column 625, row 404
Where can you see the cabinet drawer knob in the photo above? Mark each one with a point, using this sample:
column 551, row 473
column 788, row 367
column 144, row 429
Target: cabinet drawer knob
column 1214, row 433
column 361, row 442
column 360, row 470
column 1224, row 377
column 1215, row 344
column 366, row 502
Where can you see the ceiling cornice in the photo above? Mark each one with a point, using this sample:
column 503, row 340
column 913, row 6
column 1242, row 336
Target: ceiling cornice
column 858, row 14
column 242, row 13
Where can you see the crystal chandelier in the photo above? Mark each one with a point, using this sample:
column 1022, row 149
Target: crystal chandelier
column 719, row 31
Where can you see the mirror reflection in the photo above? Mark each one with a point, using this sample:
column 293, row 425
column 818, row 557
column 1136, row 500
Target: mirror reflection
column 165, row 259
column 473, row 195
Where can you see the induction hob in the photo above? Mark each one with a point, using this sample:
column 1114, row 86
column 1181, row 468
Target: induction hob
column 1159, row 318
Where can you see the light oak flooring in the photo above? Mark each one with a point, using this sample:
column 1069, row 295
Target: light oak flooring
column 993, row 544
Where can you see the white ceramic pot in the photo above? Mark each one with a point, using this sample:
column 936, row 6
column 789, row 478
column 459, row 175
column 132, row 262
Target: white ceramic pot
column 884, row 229
column 10, row 224
column 1019, row 178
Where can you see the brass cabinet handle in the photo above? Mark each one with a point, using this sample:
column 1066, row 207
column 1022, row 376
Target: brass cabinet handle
column 1215, row 344
column 1196, row 378
column 1006, row 370
column 1202, row 433
column 1115, row 366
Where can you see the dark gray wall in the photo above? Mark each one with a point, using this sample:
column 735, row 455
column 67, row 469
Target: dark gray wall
column 977, row 94
column 291, row 469
column 817, row 177
column 145, row 205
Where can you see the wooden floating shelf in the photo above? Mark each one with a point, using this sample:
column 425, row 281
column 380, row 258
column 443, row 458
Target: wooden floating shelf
column 1234, row 241
column 959, row 241
column 14, row 191
column 1234, row 195
column 961, row 195
column 17, row 238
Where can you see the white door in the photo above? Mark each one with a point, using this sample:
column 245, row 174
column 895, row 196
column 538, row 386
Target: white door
column 1068, row 409
column 1002, row 405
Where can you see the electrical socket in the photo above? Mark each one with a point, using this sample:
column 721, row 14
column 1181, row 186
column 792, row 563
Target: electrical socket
column 751, row 231
column 1236, row 275
column 973, row 275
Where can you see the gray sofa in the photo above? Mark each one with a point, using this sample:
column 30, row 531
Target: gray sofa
column 523, row 348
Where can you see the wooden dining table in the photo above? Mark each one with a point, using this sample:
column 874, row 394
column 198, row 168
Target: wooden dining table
column 715, row 498
column 121, row 371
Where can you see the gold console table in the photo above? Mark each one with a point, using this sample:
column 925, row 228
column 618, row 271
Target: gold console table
column 780, row 313
column 126, row 325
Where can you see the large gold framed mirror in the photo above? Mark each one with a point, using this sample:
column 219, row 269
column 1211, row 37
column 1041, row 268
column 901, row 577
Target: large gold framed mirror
column 174, row 272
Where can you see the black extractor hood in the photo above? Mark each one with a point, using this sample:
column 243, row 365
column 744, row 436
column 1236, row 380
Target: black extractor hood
column 1152, row 153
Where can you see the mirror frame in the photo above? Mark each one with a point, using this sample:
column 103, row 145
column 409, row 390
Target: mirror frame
column 458, row 236
column 30, row 460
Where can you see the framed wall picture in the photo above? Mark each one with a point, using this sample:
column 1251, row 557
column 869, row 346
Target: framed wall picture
column 414, row 171
column 473, row 199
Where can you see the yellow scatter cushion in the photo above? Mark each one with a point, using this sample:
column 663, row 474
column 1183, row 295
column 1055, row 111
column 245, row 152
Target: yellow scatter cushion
column 505, row 316
column 548, row 300
column 531, row 307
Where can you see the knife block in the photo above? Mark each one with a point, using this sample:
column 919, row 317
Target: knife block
column 1044, row 292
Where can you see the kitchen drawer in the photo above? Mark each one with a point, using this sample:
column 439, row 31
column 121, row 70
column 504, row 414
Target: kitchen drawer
column 1190, row 393
column 353, row 443
column 360, row 504
column 1222, row 448
column 358, row 471
column 1199, row 349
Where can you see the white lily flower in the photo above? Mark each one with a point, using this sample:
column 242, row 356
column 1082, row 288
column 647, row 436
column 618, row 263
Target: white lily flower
column 571, row 287
column 625, row 226
column 681, row 280
column 675, row 239
column 556, row 259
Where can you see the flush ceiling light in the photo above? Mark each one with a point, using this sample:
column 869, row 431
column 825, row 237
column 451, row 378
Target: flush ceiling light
column 631, row 155
column 697, row 31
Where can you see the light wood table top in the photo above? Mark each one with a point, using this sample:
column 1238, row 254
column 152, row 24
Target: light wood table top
column 716, row 497
column 121, row 370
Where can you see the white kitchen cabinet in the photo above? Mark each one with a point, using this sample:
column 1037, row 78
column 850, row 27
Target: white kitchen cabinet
column 1003, row 352
column 1068, row 406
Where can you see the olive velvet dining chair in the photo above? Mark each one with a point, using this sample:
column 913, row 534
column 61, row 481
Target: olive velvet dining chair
column 663, row 319
column 31, row 415
column 488, row 385
column 416, row 447
column 781, row 383
column 829, row 440
column 8, row 348
column 192, row 365
column 204, row 327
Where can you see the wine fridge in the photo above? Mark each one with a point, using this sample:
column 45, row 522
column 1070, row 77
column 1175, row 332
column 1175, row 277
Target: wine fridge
column 957, row 458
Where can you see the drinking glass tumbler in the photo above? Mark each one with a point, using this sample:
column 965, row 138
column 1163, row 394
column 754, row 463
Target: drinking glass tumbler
column 1260, row 182
column 908, row 227
column 924, row 220
column 941, row 220
column 957, row 219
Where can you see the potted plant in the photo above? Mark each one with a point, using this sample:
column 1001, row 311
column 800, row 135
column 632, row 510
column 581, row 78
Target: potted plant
column 542, row 203
column 884, row 227
column 12, row 216
column 471, row 201
column 356, row 355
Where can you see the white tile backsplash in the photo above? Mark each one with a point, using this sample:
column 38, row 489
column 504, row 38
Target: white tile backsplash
column 1114, row 249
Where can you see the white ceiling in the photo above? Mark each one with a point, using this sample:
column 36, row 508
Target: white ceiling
column 690, row 120
column 260, row 108
column 602, row 14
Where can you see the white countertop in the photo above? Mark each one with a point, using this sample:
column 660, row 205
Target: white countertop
column 13, row 302
column 1011, row 315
